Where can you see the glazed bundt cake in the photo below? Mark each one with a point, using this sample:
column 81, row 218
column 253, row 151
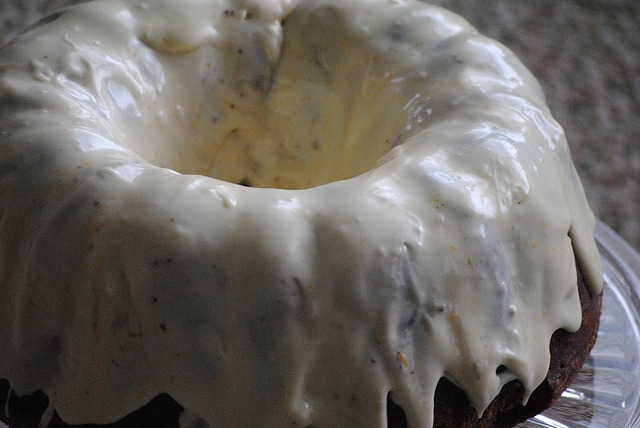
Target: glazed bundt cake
column 313, row 213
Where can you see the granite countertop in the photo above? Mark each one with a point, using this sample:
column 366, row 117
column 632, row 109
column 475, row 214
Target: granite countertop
column 586, row 54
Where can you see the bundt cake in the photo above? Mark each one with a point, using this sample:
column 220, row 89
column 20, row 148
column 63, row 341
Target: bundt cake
column 284, row 213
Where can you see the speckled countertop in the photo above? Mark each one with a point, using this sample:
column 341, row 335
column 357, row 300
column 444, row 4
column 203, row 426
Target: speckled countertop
column 586, row 54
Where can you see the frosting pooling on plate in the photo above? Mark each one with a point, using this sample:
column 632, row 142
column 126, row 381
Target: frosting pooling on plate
column 132, row 263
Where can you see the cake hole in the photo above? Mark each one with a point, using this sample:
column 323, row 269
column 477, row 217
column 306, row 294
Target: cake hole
column 328, row 109
column 245, row 182
column 396, row 417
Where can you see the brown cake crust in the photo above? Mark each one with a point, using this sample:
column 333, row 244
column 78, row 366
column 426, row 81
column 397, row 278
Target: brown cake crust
column 569, row 351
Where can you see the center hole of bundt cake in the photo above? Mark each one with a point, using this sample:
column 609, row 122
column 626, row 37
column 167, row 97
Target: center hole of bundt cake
column 324, row 110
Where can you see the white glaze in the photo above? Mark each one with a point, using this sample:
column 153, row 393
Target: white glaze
column 120, row 280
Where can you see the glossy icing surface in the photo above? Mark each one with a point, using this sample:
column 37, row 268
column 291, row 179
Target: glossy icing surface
column 132, row 263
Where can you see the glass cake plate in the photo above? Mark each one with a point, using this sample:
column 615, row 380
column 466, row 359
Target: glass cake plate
column 606, row 392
